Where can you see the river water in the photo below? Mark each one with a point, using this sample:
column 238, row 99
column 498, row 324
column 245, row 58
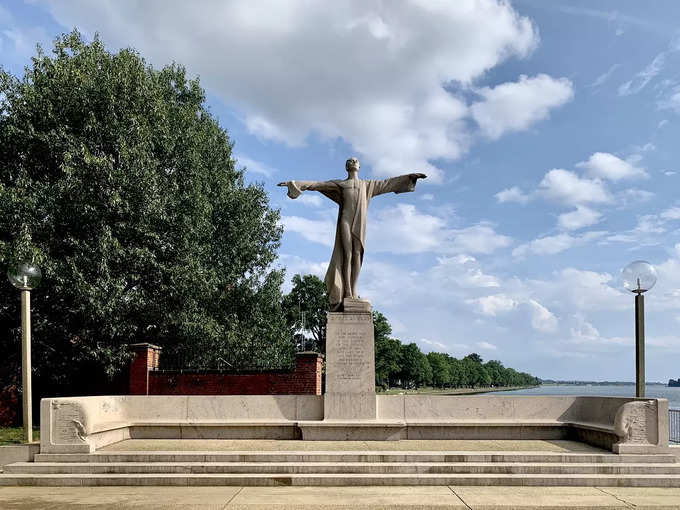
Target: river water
column 652, row 391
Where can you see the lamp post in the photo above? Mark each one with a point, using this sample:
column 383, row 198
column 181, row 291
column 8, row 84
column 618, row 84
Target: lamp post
column 25, row 276
column 638, row 277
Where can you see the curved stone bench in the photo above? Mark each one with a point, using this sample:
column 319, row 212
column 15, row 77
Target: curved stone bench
column 83, row 424
column 623, row 425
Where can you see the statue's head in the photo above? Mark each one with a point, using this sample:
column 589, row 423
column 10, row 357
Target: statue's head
column 352, row 164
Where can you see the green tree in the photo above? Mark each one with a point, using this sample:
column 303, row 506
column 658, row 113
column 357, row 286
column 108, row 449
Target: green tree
column 309, row 296
column 387, row 351
column 118, row 181
column 441, row 373
column 415, row 371
column 476, row 373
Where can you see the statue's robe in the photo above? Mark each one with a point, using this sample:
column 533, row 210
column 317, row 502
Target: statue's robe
column 368, row 189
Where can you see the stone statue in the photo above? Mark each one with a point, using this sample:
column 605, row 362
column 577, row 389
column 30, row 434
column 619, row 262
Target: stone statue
column 352, row 195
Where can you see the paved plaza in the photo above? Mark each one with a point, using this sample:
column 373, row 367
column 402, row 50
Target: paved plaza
column 336, row 498
column 414, row 445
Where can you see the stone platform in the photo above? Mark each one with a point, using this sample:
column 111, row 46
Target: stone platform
column 303, row 463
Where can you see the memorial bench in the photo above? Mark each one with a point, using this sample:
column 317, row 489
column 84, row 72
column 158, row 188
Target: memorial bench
column 623, row 425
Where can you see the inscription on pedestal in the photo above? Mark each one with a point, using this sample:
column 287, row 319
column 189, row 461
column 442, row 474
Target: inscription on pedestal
column 350, row 366
column 67, row 422
column 351, row 356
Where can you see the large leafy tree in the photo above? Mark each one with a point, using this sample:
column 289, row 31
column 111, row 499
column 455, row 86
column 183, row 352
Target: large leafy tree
column 118, row 181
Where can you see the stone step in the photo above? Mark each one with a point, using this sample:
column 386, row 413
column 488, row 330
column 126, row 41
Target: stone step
column 77, row 468
column 363, row 479
column 355, row 456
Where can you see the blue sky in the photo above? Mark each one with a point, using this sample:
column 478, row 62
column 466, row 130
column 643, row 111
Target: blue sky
column 548, row 131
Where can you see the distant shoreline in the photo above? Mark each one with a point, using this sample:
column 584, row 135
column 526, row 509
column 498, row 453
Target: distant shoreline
column 454, row 391
column 599, row 383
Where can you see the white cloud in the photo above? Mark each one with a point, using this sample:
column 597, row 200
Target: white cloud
column 642, row 78
column 24, row 39
column 433, row 343
column 255, row 166
column 672, row 102
column 486, row 345
column 550, row 245
column 669, row 173
column 604, row 76
column 480, row 238
column 311, row 199
column 579, row 218
column 516, row 106
column 542, row 319
column 427, row 196
column 513, row 194
column 495, row 304
column 568, row 188
column 317, row 231
column 404, row 229
column 672, row 213
column 463, row 271
column 608, row 166
column 633, row 196
column 369, row 72
column 295, row 264
column 579, row 290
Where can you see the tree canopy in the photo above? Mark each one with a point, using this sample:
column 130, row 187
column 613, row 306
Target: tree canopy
column 116, row 179
column 309, row 299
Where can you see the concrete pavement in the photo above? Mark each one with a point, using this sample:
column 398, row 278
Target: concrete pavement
column 414, row 445
column 337, row 498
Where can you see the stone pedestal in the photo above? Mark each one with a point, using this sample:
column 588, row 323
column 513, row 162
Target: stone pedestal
column 350, row 364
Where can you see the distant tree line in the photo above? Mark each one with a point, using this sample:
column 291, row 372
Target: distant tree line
column 404, row 365
column 397, row 364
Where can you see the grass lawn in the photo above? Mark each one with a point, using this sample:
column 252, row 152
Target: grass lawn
column 15, row 435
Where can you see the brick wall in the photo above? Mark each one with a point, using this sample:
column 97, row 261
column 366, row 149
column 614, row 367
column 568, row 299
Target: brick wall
column 146, row 379
column 10, row 404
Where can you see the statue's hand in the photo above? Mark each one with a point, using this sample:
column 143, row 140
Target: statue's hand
column 283, row 183
column 418, row 176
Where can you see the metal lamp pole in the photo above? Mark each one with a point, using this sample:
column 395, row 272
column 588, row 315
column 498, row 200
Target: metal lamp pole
column 639, row 343
column 638, row 277
column 25, row 277
column 27, row 402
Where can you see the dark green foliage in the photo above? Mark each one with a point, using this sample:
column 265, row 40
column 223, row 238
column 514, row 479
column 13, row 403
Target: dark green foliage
column 119, row 183
column 308, row 296
column 387, row 351
column 406, row 366
column 415, row 371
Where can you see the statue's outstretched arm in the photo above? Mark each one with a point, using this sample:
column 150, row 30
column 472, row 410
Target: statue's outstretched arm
column 295, row 188
column 401, row 184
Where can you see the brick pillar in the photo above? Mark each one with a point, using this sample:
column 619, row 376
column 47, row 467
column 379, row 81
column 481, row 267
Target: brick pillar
column 145, row 359
column 308, row 372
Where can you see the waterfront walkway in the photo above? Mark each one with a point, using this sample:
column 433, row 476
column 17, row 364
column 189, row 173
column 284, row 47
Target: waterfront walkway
column 337, row 498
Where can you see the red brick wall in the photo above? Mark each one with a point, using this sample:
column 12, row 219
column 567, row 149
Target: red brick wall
column 145, row 360
column 10, row 403
column 145, row 379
